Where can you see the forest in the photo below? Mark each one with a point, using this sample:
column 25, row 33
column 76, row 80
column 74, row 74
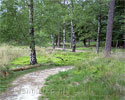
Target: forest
column 62, row 50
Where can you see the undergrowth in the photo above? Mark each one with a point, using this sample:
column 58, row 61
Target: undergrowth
column 57, row 58
column 96, row 79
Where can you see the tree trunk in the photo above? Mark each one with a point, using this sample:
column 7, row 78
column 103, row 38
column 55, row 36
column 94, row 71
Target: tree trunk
column 89, row 42
column 73, row 38
column 33, row 59
column 117, row 44
column 71, row 35
column 84, row 43
column 58, row 44
column 109, row 29
column 112, row 43
column 56, row 37
column 64, row 36
column 53, row 42
column 98, row 34
column 64, row 31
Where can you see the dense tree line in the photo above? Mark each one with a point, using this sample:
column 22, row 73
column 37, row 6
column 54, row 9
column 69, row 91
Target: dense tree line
column 61, row 21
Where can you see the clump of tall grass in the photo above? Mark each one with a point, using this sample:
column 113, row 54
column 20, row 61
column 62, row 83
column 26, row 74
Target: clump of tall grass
column 42, row 51
column 7, row 53
column 118, row 55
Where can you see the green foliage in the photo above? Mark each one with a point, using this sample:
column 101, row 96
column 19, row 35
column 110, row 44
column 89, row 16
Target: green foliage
column 26, row 60
column 96, row 79
column 50, row 14
column 119, row 28
column 68, row 58
column 86, row 18
column 13, row 21
column 58, row 59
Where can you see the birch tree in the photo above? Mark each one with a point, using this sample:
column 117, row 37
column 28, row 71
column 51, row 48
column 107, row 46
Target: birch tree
column 33, row 59
column 73, row 32
column 98, row 34
column 64, row 30
column 53, row 42
column 73, row 44
column 59, row 38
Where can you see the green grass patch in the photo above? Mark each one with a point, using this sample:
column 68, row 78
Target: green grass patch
column 96, row 79
column 26, row 60
column 58, row 59
column 68, row 58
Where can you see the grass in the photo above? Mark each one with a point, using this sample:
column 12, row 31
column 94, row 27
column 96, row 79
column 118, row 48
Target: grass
column 9, row 52
column 12, row 56
column 95, row 79
column 59, row 58
column 25, row 60
column 19, row 55
column 101, row 49
column 86, row 48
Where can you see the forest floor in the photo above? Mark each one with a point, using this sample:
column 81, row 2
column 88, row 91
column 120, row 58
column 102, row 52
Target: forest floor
column 96, row 77
column 28, row 87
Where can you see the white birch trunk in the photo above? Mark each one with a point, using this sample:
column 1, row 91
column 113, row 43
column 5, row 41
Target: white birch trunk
column 33, row 59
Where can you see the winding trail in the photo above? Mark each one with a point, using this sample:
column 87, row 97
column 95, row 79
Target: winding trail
column 28, row 87
column 60, row 49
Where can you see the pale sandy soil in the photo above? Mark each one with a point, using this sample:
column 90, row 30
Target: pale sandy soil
column 28, row 87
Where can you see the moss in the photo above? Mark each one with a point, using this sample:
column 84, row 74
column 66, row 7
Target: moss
column 58, row 59
column 26, row 60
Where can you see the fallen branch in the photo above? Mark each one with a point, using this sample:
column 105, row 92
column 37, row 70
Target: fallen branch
column 30, row 67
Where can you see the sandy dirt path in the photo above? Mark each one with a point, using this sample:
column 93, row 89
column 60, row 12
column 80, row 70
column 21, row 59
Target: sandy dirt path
column 28, row 87
column 60, row 49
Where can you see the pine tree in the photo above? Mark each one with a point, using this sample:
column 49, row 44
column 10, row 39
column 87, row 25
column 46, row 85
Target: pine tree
column 109, row 29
